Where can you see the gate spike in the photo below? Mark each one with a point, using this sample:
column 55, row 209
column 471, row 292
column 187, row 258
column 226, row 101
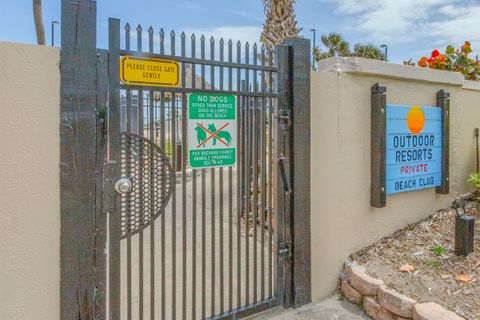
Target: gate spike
column 230, row 42
column 150, row 30
column 193, row 36
column 183, row 35
column 221, row 41
column 162, row 32
column 172, row 33
column 202, row 38
column 139, row 28
column 127, row 26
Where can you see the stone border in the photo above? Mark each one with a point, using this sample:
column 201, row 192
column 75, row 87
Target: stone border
column 382, row 303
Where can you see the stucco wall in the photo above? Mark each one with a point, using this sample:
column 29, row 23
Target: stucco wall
column 342, row 219
column 29, row 184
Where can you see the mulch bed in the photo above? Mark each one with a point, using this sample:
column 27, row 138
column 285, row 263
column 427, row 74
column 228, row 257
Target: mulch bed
column 438, row 275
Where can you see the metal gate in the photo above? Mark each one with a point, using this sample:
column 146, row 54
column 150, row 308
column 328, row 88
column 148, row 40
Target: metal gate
column 183, row 243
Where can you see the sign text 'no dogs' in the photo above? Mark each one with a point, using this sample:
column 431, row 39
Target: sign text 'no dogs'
column 212, row 130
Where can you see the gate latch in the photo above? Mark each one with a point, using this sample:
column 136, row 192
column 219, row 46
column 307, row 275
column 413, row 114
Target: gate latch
column 285, row 249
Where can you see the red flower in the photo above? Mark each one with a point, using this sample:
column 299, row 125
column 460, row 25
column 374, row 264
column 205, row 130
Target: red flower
column 435, row 53
column 467, row 44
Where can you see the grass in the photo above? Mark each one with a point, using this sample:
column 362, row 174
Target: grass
column 439, row 250
column 432, row 263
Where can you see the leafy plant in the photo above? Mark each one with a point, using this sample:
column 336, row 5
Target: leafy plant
column 439, row 250
column 456, row 60
column 475, row 180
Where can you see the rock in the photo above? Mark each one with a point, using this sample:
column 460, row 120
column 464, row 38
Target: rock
column 433, row 311
column 362, row 282
column 351, row 294
column 395, row 302
column 375, row 311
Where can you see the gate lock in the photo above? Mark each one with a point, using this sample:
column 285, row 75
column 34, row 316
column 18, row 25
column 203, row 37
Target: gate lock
column 123, row 185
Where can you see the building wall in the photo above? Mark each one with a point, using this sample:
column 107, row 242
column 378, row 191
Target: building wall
column 342, row 219
column 29, row 184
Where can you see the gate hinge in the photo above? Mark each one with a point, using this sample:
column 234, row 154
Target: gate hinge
column 285, row 249
column 284, row 118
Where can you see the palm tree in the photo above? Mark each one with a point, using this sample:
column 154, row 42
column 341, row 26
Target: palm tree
column 336, row 45
column 37, row 15
column 280, row 23
column 368, row 51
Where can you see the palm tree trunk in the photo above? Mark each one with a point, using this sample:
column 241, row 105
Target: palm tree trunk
column 37, row 15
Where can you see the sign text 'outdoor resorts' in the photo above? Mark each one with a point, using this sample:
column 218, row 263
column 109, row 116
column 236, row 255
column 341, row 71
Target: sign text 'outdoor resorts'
column 153, row 72
column 212, row 130
column 414, row 148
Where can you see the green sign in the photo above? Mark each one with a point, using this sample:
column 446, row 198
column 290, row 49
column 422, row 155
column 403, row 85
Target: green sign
column 212, row 130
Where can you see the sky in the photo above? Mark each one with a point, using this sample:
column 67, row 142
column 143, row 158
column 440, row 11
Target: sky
column 410, row 28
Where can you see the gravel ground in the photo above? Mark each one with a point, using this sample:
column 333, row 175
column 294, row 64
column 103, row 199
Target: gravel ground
column 438, row 275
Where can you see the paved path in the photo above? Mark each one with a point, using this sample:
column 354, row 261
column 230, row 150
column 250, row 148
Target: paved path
column 329, row 309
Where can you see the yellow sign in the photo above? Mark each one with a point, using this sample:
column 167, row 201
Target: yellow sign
column 139, row 71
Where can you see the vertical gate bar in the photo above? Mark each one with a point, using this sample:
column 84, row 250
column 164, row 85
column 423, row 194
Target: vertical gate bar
column 220, row 208
column 194, row 204
column 239, row 181
column 263, row 142
column 230, row 196
column 174, row 193
column 202, row 55
column 212, row 185
column 152, row 183
column 248, row 168
column 162, row 214
column 140, row 183
column 272, row 208
column 114, row 154
column 255, row 130
column 128, row 204
column 184, row 187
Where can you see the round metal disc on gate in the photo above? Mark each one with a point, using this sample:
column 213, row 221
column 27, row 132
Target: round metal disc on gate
column 147, row 190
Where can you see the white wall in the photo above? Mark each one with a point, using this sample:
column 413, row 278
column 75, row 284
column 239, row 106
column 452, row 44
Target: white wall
column 342, row 219
column 29, row 182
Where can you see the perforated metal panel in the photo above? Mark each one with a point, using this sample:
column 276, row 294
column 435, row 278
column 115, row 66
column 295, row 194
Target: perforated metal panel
column 152, row 176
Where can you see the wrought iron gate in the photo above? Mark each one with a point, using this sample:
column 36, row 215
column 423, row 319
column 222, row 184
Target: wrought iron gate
column 183, row 243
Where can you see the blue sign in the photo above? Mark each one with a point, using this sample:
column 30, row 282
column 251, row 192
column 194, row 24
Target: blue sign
column 414, row 148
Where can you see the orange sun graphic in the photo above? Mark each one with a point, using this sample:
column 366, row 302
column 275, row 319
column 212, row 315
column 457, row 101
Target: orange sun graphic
column 415, row 120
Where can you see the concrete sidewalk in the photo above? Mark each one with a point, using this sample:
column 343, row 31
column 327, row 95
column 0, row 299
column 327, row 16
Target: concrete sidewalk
column 329, row 309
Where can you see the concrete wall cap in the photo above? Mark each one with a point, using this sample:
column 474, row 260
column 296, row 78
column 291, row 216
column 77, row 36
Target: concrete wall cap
column 391, row 70
column 471, row 85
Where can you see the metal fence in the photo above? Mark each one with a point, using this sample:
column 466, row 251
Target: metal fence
column 211, row 251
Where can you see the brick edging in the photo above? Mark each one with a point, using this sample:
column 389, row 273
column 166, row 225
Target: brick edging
column 382, row 303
